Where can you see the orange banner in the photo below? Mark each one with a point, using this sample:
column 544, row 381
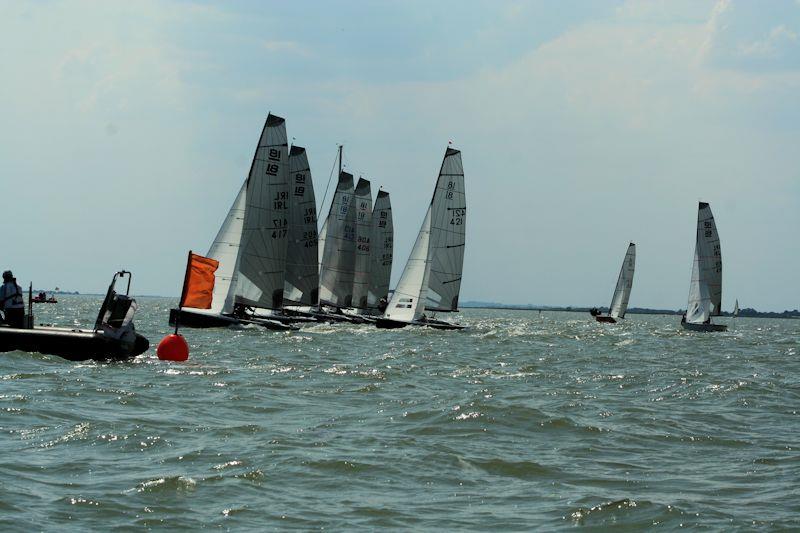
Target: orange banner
column 198, row 285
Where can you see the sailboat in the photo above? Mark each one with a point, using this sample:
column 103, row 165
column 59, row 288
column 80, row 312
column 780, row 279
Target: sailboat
column 622, row 292
column 251, row 243
column 338, row 256
column 431, row 280
column 705, row 288
column 382, row 253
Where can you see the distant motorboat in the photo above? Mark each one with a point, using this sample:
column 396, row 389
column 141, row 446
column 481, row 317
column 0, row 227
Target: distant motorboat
column 42, row 298
column 622, row 292
column 705, row 287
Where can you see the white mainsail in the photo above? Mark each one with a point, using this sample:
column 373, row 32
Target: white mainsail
column 406, row 302
column 362, row 264
column 705, row 288
column 448, row 228
column 225, row 249
column 261, row 265
column 622, row 292
column 382, row 250
column 301, row 285
column 338, row 256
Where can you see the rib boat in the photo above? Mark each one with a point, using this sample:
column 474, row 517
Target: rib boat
column 113, row 337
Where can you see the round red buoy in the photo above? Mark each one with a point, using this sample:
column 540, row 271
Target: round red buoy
column 173, row 348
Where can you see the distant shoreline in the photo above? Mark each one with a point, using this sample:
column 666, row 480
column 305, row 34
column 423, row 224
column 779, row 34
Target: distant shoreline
column 748, row 312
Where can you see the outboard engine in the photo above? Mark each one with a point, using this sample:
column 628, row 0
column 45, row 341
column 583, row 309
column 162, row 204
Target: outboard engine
column 115, row 318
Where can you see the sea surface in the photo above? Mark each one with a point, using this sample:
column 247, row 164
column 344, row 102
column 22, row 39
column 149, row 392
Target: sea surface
column 525, row 421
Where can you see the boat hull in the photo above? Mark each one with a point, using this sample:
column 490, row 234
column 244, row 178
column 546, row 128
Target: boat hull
column 708, row 328
column 605, row 319
column 387, row 323
column 72, row 344
column 191, row 319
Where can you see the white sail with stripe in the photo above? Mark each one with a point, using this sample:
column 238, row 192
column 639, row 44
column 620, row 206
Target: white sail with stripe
column 406, row 304
column 225, row 249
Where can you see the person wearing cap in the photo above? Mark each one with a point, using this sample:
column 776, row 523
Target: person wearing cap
column 11, row 301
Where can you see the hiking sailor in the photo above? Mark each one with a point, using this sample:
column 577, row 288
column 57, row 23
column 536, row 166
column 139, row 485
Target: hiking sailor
column 11, row 301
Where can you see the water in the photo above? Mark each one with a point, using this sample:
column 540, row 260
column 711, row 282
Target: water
column 524, row 421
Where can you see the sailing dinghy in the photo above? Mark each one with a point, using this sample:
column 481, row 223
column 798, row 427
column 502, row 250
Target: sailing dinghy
column 622, row 292
column 113, row 337
column 431, row 280
column 250, row 246
column 338, row 255
column 705, row 288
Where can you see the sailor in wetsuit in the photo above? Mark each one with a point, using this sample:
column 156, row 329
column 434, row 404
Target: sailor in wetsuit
column 11, row 301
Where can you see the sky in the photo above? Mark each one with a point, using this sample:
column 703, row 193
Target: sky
column 126, row 129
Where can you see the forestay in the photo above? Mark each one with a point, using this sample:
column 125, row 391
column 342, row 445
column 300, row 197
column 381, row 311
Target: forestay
column 622, row 292
column 705, row 288
column 448, row 225
column 382, row 250
column 262, row 256
column 405, row 304
column 361, row 274
column 338, row 257
column 225, row 250
column 302, row 271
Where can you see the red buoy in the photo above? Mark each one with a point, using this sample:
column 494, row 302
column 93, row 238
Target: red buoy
column 173, row 348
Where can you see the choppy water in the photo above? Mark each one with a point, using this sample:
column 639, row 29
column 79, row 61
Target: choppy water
column 524, row 421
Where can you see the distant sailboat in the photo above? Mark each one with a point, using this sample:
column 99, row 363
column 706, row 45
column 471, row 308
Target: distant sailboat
column 705, row 288
column 431, row 279
column 622, row 292
column 251, row 243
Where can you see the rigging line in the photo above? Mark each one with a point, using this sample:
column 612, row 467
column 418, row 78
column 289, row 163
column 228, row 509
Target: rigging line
column 330, row 176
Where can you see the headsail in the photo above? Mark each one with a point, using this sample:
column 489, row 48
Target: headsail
column 382, row 250
column 622, row 292
column 225, row 250
column 338, row 256
column 302, row 271
column 262, row 256
column 448, row 225
column 405, row 304
column 705, row 288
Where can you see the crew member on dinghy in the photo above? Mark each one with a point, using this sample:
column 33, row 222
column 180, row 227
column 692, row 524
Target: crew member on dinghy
column 11, row 301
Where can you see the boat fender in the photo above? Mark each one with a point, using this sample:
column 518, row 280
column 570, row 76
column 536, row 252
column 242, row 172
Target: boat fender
column 173, row 347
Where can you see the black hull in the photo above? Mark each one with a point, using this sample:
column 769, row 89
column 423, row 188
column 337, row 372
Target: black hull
column 387, row 323
column 322, row 316
column 605, row 319
column 74, row 345
column 707, row 328
column 189, row 319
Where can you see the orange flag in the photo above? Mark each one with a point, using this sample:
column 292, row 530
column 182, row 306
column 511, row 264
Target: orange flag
column 198, row 284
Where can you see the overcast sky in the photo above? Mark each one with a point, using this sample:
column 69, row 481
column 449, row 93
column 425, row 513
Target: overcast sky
column 126, row 129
